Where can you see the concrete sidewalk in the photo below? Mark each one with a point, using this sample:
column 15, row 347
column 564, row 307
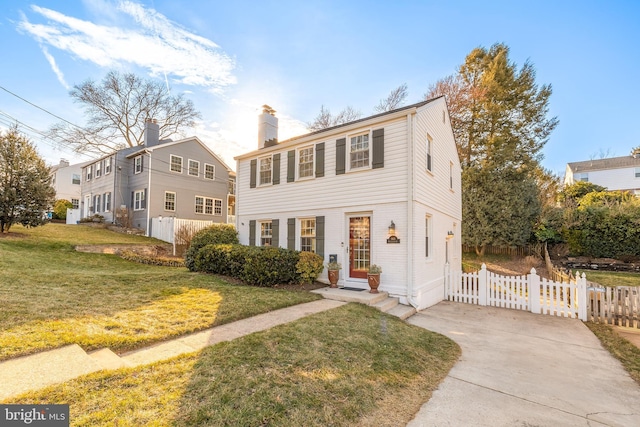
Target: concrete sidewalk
column 522, row 369
column 56, row 366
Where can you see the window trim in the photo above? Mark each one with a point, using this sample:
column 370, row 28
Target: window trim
column 107, row 165
column 314, row 246
column 73, row 179
column 313, row 162
column 213, row 173
column 98, row 169
column 429, row 154
column 96, row 203
column 348, row 152
column 137, row 164
column 137, row 201
column 175, row 198
column 189, row 167
column 451, row 176
column 207, row 202
column 75, row 203
column 106, row 201
column 428, row 236
column 637, row 172
column 260, row 236
column 259, row 171
column 171, row 157
column 88, row 173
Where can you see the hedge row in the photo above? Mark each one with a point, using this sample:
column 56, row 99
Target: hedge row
column 215, row 234
column 258, row 265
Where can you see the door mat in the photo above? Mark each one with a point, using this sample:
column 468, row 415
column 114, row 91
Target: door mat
column 353, row 289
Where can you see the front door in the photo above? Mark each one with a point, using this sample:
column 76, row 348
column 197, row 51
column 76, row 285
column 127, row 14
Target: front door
column 359, row 246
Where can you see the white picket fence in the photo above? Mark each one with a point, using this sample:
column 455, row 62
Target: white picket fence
column 527, row 292
column 167, row 228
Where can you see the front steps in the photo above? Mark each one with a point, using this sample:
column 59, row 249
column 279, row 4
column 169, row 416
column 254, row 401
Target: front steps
column 381, row 300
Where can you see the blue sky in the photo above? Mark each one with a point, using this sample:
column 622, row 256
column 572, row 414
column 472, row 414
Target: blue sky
column 230, row 57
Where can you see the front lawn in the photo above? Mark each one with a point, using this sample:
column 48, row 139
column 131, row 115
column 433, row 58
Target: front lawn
column 52, row 295
column 350, row 366
column 620, row 348
column 612, row 278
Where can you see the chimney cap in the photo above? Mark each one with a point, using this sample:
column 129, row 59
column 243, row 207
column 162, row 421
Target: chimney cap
column 268, row 110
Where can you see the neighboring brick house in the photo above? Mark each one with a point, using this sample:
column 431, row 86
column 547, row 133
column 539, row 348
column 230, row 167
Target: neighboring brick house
column 380, row 190
column 615, row 173
column 65, row 179
column 182, row 179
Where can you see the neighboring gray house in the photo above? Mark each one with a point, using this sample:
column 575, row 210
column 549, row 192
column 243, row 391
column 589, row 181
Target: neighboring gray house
column 65, row 179
column 182, row 179
column 615, row 173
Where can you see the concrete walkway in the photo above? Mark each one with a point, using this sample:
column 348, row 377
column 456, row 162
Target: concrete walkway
column 522, row 369
column 63, row 364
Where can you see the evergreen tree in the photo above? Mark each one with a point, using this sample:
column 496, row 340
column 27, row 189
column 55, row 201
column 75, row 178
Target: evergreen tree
column 25, row 190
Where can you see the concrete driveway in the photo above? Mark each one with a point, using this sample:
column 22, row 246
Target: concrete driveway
column 522, row 369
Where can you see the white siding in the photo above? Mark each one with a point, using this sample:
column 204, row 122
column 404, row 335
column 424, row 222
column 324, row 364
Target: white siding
column 615, row 179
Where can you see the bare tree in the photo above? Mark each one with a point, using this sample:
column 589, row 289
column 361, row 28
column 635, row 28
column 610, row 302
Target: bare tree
column 395, row 99
column 117, row 109
column 601, row 154
column 325, row 119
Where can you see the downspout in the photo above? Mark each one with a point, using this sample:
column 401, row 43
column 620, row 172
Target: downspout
column 410, row 198
column 148, row 201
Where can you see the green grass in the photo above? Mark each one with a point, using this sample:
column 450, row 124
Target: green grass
column 612, row 278
column 472, row 262
column 623, row 350
column 349, row 366
column 52, row 295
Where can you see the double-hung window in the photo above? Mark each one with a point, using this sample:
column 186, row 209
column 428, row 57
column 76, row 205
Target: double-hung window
column 138, row 200
column 194, row 167
column 305, row 162
column 169, row 201
column 308, row 235
column 208, row 206
column 107, row 166
column 88, row 178
column 75, row 179
column 265, row 170
column 96, row 203
column 359, row 151
column 217, row 208
column 175, row 164
column 107, row 201
column 637, row 172
column 266, row 233
column 427, row 231
column 209, row 171
column 75, row 203
column 429, row 151
column 98, row 169
column 137, row 164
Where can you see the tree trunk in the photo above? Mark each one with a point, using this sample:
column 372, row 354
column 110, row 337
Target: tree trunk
column 480, row 249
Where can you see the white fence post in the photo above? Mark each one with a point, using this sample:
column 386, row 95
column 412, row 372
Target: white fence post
column 447, row 281
column 581, row 282
column 482, row 285
column 533, row 283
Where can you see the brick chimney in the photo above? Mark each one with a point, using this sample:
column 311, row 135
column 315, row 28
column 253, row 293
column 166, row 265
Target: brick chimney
column 267, row 127
column 151, row 133
column 63, row 163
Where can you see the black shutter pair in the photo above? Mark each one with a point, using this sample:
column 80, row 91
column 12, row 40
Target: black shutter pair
column 275, row 230
column 291, row 234
column 377, row 152
column 319, row 160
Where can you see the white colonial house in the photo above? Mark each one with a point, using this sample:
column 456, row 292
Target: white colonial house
column 615, row 173
column 381, row 190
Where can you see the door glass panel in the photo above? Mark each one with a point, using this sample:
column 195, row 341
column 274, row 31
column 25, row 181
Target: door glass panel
column 359, row 246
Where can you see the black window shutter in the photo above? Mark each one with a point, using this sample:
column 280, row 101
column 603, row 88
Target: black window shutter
column 276, row 169
column 291, row 233
column 144, row 201
column 320, row 160
column 340, row 155
column 378, row 149
column 252, row 175
column 320, row 235
column 275, row 233
column 141, row 163
column 291, row 166
column 252, row 232
column 132, row 200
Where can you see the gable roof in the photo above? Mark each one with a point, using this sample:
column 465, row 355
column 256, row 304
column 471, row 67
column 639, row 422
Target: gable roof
column 604, row 164
column 292, row 141
column 168, row 143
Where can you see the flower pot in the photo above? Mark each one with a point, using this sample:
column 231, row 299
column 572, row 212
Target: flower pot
column 374, row 282
column 334, row 275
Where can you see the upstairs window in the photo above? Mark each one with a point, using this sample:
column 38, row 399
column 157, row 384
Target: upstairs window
column 169, row 201
column 75, row 179
column 637, row 172
column 194, row 167
column 305, row 162
column 175, row 164
column 359, row 151
column 265, row 170
column 98, row 169
column 209, row 171
column 107, row 166
column 582, row 177
column 137, row 164
column 88, row 178
column 429, row 148
column 450, row 176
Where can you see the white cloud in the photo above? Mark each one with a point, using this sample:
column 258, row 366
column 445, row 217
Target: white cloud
column 54, row 67
column 157, row 44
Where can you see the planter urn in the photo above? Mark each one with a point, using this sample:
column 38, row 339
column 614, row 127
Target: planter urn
column 333, row 277
column 374, row 282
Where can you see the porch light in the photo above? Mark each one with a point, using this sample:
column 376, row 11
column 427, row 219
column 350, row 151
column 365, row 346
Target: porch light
column 392, row 237
column 449, row 234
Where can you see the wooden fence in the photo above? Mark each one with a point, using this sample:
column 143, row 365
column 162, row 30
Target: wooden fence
column 618, row 305
column 555, row 273
column 521, row 251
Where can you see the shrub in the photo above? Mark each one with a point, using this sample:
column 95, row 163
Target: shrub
column 213, row 235
column 214, row 259
column 60, row 208
column 269, row 266
column 309, row 267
